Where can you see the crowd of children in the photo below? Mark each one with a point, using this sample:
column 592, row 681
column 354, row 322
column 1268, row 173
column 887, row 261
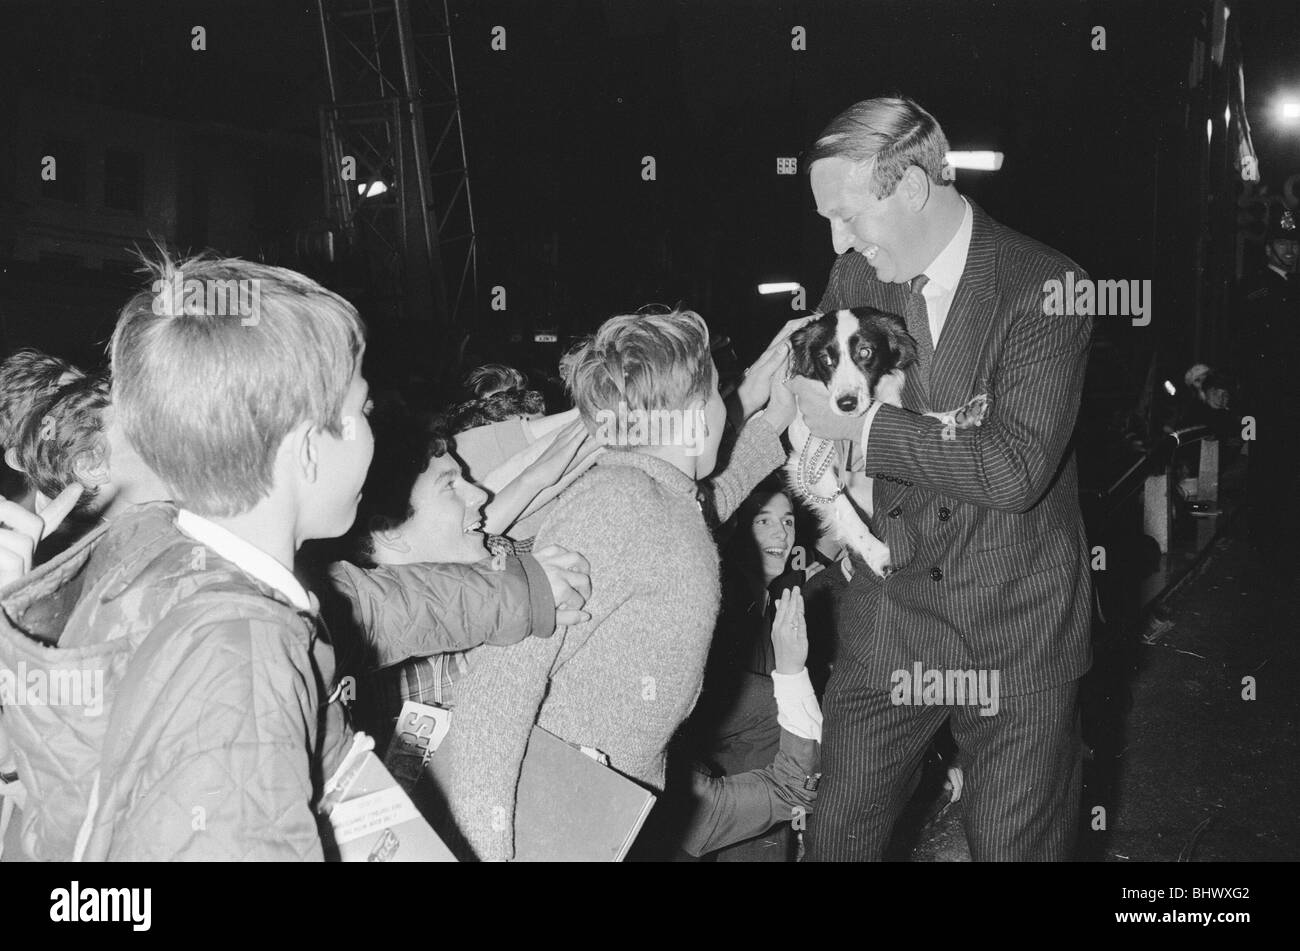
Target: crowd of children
column 152, row 538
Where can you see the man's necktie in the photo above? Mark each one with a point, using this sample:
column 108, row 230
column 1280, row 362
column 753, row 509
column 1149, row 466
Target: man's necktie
column 918, row 325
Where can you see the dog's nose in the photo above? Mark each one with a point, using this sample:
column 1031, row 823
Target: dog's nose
column 847, row 403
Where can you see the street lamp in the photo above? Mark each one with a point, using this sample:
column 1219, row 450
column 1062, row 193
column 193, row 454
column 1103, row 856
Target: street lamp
column 976, row 161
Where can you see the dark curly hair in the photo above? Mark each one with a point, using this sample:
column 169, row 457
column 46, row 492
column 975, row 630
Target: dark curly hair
column 507, row 404
column 65, row 430
column 403, row 450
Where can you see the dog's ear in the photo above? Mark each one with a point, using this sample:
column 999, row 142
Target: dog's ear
column 902, row 343
column 801, row 350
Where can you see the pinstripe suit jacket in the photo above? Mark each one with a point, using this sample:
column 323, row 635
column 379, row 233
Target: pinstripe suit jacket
column 985, row 530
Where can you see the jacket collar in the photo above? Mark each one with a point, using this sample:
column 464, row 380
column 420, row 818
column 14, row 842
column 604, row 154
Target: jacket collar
column 969, row 318
column 247, row 557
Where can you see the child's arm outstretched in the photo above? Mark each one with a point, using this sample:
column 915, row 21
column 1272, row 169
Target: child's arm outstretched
column 417, row 610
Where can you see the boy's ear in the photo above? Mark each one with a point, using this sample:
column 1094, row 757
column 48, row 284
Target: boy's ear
column 11, row 460
column 392, row 540
column 304, row 443
column 91, row 470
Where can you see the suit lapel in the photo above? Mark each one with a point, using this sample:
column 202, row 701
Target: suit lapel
column 970, row 316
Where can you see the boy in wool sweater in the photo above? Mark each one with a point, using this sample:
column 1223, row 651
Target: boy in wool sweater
column 623, row 681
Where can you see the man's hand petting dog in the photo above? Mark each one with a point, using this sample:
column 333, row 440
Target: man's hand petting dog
column 768, row 370
column 570, row 578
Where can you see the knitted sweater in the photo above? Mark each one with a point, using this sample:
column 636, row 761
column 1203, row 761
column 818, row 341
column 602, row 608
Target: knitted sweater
column 625, row 680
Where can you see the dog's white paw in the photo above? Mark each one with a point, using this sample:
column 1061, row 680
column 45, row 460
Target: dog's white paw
column 876, row 554
column 972, row 414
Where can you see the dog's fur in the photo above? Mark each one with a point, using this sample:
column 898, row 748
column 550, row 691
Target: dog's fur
column 861, row 354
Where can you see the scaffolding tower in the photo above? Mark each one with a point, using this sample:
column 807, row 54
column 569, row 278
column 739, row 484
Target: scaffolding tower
column 394, row 162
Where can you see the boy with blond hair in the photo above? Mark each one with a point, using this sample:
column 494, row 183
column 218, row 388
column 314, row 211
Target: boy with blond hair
column 211, row 673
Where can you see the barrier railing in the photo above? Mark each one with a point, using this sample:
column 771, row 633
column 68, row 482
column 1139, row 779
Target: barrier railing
column 1156, row 476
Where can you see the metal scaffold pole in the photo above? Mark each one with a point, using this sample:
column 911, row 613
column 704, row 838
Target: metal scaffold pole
column 394, row 156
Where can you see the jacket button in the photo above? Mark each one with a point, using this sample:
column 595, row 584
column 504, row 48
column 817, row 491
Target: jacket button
column 936, row 573
column 895, row 511
column 945, row 513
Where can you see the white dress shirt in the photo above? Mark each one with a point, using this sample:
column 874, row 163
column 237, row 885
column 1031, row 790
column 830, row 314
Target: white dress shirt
column 944, row 274
column 797, row 709
column 247, row 557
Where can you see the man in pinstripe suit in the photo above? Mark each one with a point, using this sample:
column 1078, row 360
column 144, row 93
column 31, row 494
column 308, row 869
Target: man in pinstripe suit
column 990, row 568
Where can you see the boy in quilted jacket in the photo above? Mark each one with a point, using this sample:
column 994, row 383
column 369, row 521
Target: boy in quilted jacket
column 203, row 723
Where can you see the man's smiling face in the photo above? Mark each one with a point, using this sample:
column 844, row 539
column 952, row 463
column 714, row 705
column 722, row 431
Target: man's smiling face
column 880, row 229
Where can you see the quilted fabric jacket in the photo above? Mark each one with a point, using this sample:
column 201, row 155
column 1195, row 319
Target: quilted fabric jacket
column 203, row 729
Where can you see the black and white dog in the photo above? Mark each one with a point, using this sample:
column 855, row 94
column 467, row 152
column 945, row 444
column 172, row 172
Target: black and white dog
column 860, row 353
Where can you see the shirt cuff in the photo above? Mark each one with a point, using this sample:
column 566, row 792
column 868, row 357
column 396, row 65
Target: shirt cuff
column 797, row 709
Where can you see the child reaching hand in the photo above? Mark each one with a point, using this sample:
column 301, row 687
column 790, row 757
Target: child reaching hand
column 208, row 727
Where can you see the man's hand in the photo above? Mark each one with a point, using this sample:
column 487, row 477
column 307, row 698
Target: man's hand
column 814, row 404
column 571, row 445
column 21, row 531
column 789, row 633
column 761, row 378
column 570, row 578
column 780, row 408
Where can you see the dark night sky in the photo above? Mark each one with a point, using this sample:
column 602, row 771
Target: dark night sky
column 557, row 124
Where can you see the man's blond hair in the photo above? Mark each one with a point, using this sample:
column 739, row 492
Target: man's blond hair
column 895, row 133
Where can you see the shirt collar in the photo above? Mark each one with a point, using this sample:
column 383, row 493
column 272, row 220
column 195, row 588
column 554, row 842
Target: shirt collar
column 247, row 557
column 945, row 271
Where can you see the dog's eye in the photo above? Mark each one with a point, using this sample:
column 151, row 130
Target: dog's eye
column 826, row 358
column 864, row 353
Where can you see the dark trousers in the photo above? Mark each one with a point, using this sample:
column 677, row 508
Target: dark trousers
column 747, row 737
column 1022, row 780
